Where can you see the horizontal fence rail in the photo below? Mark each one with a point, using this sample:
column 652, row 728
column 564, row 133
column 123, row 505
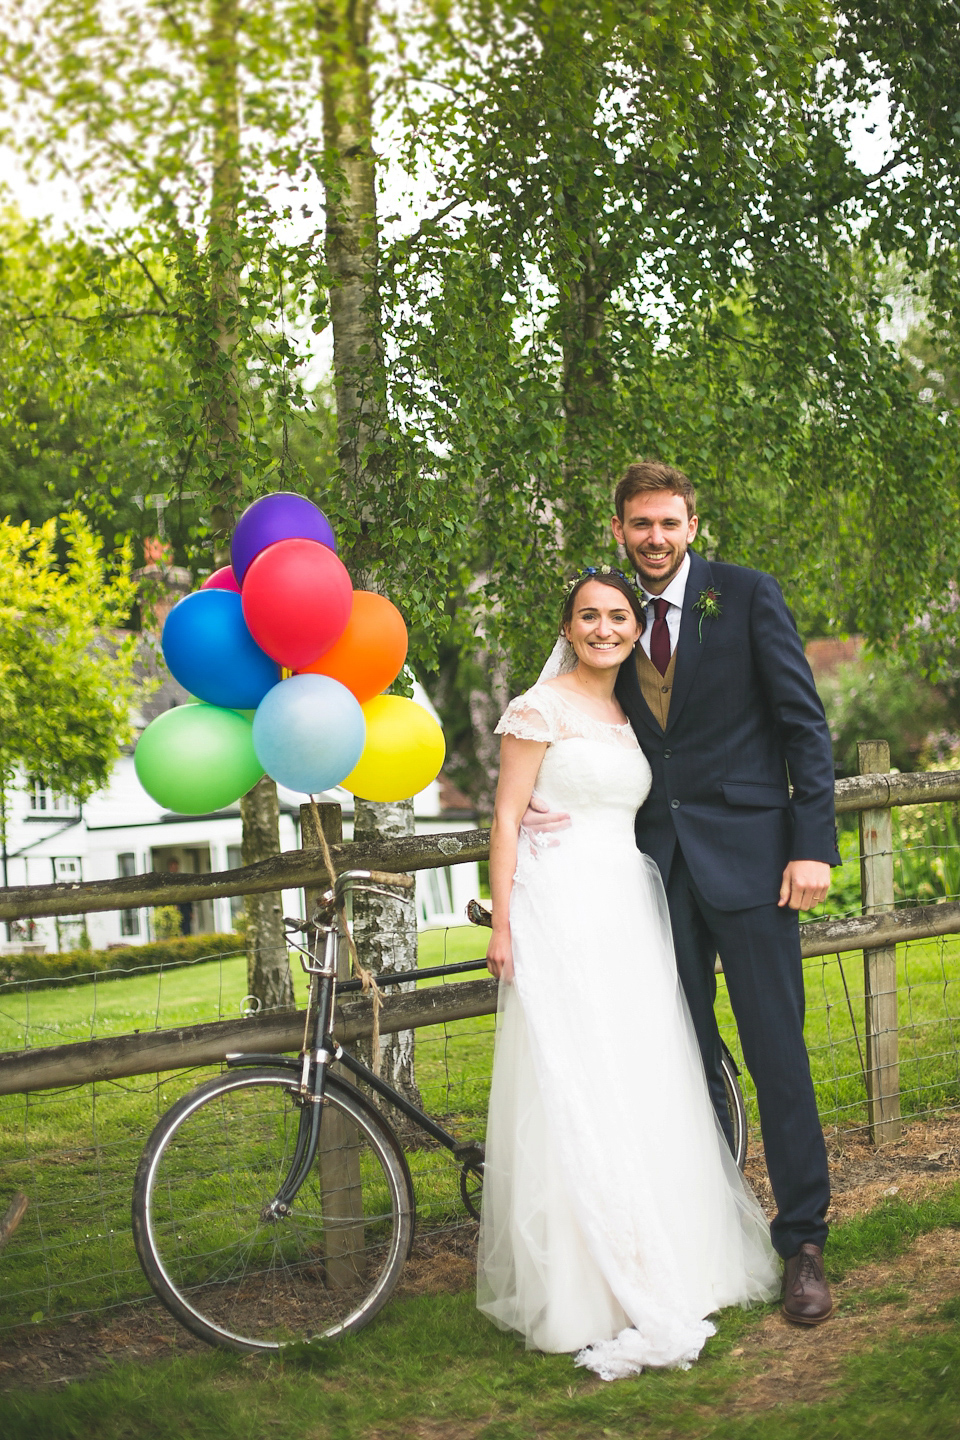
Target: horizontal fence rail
column 118, row 1057
column 153, row 1052
column 883, row 792
column 295, row 869
column 291, row 870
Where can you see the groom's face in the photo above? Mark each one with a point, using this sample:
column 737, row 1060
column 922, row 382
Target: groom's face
column 655, row 532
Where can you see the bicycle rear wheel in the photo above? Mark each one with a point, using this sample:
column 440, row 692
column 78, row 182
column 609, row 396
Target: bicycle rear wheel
column 227, row 1270
column 736, row 1109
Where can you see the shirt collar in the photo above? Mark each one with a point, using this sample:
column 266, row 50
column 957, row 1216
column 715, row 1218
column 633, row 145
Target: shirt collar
column 674, row 592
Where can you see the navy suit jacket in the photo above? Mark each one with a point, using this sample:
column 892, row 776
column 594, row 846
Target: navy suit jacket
column 745, row 725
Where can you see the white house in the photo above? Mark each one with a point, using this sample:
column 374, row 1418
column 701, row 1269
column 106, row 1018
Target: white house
column 121, row 831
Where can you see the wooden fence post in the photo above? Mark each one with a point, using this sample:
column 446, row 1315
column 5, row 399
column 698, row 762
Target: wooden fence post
column 879, row 965
column 338, row 1160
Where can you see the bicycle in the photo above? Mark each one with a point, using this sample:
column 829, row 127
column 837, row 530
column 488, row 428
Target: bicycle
column 256, row 1224
column 274, row 1203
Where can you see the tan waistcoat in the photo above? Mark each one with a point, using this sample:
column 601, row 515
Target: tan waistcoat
column 656, row 688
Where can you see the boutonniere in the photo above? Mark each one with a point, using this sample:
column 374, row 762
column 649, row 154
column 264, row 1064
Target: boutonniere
column 708, row 604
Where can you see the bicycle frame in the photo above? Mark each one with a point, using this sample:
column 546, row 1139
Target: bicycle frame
column 321, row 1050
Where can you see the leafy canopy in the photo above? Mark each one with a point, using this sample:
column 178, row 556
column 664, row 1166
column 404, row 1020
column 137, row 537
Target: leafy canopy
column 67, row 680
column 644, row 234
column 649, row 237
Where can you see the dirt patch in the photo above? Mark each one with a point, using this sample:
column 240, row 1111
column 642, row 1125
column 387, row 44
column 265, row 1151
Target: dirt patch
column 782, row 1363
column 56, row 1354
column 924, row 1160
column 443, row 1264
column 786, row 1364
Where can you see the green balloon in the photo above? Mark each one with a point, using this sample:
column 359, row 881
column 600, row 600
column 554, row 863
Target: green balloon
column 197, row 758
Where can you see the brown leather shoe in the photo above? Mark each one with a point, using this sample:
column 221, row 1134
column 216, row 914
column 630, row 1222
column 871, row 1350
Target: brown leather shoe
column 806, row 1294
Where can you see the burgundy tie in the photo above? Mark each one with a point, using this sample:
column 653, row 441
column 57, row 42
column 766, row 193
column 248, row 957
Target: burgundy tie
column 660, row 636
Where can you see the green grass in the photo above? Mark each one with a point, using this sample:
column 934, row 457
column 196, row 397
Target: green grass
column 432, row 1366
column 75, row 1152
column 187, row 995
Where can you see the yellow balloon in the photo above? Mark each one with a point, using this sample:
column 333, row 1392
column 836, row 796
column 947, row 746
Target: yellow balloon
column 403, row 753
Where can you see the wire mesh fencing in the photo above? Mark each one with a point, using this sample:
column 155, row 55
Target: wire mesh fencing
column 74, row 1151
column 928, row 997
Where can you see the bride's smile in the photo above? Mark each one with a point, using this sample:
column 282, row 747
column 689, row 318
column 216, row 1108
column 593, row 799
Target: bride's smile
column 602, row 629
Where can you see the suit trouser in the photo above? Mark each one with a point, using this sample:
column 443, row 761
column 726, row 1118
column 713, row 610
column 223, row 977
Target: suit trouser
column 760, row 953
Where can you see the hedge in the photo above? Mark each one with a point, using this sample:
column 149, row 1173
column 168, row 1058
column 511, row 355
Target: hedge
column 80, row 965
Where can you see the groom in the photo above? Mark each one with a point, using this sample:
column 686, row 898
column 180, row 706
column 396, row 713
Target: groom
column 740, row 821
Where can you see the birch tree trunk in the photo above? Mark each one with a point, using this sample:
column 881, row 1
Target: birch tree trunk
column 268, row 965
column 487, row 700
column 385, row 930
column 351, row 239
column 223, row 260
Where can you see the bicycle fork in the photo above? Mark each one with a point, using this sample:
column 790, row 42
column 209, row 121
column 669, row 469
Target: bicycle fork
column 314, row 1061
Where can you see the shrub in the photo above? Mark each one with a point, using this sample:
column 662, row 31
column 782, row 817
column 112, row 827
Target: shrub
column 926, row 845
column 167, row 922
column 880, row 698
column 74, row 965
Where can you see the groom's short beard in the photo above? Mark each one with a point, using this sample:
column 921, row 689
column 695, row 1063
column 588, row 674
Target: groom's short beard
column 662, row 579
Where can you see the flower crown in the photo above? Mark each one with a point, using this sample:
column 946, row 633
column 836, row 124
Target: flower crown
column 589, row 571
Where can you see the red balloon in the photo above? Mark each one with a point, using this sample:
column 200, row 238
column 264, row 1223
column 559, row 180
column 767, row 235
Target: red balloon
column 222, row 579
column 297, row 599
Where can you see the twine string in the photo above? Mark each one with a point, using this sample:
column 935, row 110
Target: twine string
column 368, row 984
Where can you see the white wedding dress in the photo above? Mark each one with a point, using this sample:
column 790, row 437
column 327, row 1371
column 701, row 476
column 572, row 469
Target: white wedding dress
column 614, row 1217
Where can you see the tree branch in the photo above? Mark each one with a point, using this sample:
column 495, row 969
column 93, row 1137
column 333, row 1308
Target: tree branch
column 34, row 317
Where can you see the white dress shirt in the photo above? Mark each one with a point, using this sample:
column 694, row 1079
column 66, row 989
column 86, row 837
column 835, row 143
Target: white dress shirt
column 673, row 595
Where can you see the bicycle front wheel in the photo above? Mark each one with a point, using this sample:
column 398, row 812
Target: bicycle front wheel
column 223, row 1264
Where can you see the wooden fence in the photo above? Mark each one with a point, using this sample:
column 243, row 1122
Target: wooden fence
column 876, row 932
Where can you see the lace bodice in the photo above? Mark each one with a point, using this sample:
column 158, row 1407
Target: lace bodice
column 544, row 713
column 594, row 771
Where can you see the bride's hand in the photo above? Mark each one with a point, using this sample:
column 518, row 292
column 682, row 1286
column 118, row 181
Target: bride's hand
column 500, row 958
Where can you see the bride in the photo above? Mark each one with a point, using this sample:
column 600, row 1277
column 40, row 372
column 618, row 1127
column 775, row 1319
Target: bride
column 614, row 1217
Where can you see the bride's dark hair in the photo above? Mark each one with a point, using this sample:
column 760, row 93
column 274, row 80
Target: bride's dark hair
column 603, row 576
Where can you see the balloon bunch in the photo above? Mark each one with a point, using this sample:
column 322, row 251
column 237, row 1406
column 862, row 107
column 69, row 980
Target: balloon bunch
column 285, row 604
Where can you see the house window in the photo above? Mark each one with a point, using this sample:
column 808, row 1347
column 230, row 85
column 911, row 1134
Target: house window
column 129, row 919
column 44, row 801
column 435, row 895
column 67, row 867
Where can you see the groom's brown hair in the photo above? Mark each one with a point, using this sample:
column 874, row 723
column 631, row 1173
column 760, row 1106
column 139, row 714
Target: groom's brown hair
column 645, row 475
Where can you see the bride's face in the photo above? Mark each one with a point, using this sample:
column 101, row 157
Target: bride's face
column 603, row 629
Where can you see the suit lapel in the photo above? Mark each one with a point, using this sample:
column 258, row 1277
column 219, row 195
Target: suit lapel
column 692, row 638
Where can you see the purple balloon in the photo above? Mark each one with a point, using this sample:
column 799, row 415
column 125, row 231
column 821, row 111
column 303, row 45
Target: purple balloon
column 280, row 516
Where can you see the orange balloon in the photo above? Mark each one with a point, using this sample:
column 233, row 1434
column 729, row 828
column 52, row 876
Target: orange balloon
column 370, row 652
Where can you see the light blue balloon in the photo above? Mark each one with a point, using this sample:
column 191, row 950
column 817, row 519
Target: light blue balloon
column 308, row 733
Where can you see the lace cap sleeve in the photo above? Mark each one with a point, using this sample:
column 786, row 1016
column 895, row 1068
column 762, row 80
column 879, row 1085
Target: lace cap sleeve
column 527, row 718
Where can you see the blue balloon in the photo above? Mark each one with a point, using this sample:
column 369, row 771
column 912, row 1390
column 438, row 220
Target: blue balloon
column 308, row 733
column 209, row 649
